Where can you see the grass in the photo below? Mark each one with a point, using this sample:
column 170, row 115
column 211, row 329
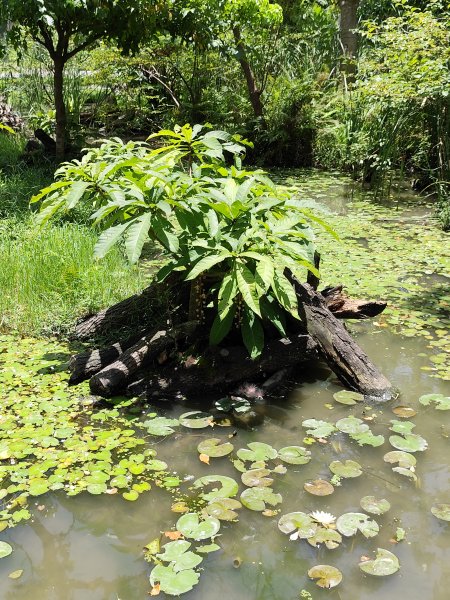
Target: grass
column 48, row 278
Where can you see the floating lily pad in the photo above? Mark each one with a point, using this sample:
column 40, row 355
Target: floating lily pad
column 257, row 451
column 325, row 576
column 405, row 472
column 171, row 582
column 294, row 455
column 347, row 469
column 223, row 509
column 257, row 478
column 385, row 563
column 256, row 498
column 441, row 511
column 207, row 548
column 215, row 448
column 368, row 439
column 410, row 442
column 440, row 401
column 401, row 426
column 352, row 425
column 350, row 523
column 179, row 555
column 405, row 412
column 160, row 426
column 5, row 549
column 404, row 459
column 330, row 537
column 348, row 397
column 195, row 419
column 319, row 487
column 374, row 506
column 318, row 429
column 228, row 486
column 298, row 525
column 192, row 527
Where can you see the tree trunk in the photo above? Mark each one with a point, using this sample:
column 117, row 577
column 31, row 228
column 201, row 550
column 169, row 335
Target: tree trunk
column 340, row 351
column 60, row 107
column 348, row 23
column 254, row 92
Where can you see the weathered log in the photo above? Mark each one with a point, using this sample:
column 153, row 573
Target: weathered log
column 341, row 352
column 224, row 371
column 120, row 314
column 344, row 307
column 83, row 366
column 114, row 377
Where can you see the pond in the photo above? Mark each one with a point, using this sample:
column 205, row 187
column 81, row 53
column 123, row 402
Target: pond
column 89, row 546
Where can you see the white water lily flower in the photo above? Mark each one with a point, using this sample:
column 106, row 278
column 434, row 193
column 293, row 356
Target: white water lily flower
column 322, row 517
column 294, row 536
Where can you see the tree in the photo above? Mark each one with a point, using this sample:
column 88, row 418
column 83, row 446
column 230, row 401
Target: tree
column 348, row 35
column 66, row 27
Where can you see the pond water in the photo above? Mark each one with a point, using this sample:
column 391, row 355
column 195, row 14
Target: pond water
column 89, row 547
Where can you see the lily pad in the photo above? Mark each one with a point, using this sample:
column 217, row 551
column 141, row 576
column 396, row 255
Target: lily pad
column 410, row 442
column 404, row 459
column 440, row 401
column 325, row 576
column 179, row 555
column 5, row 549
column 192, row 527
column 318, row 429
column 441, row 511
column 160, row 426
column 405, row 472
column 298, row 525
column 405, row 412
column 294, row 455
column 352, row 425
column 347, row 469
column 214, row 447
column 228, row 486
column 257, row 451
column 350, row 523
column 348, row 397
column 374, row 506
column 330, row 537
column 256, row 498
column 385, row 563
column 319, row 487
column 171, row 582
column 401, row 426
column 257, row 478
column 223, row 509
column 368, row 439
column 195, row 419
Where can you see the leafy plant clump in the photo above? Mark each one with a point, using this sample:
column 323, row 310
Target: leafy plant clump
column 229, row 231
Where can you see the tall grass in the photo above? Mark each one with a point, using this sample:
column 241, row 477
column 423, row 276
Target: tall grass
column 49, row 278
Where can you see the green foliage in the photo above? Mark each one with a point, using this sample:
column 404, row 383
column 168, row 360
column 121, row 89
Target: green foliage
column 230, row 224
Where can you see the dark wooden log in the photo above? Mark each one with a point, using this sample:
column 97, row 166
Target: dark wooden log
column 312, row 279
column 223, row 371
column 47, row 141
column 83, row 366
column 114, row 377
column 344, row 307
column 123, row 313
column 341, row 352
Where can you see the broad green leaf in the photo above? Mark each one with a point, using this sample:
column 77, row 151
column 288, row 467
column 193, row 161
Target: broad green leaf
column 252, row 334
column 228, row 486
column 440, row 401
column 247, row 287
column 75, row 193
column 160, row 425
column 441, row 511
column 348, row 397
column 300, row 524
column 257, row 478
column 352, row 425
column 318, row 429
column 374, row 506
column 195, row 419
column 410, row 442
column 173, row 583
column 136, row 236
column 223, row 509
column 294, row 455
column 257, row 451
column 5, row 549
column 206, row 263
column 348, row 468
column 108, row 238
column 214, row 447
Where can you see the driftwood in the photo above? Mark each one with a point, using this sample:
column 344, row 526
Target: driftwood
column 83, row 366
column 113, row 377
column 344, row 307
column 224, row 371
column 340, row 351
